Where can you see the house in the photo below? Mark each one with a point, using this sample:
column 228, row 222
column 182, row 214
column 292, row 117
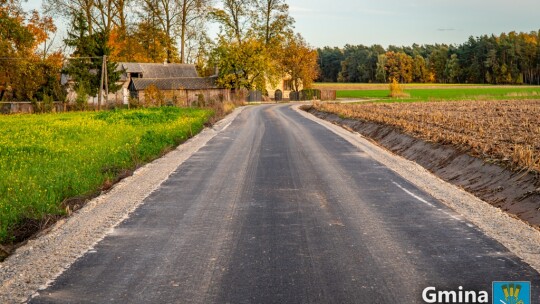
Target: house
column 285, row 85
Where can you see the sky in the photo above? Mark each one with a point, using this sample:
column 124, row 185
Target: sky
column 404, row 22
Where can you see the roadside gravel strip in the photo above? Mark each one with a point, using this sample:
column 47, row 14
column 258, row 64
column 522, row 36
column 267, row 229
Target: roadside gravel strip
column 39, row 262
column 520, row 238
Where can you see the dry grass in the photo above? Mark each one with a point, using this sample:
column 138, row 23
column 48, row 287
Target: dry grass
column 506, row 132
column 396, row 90
column 522, row 94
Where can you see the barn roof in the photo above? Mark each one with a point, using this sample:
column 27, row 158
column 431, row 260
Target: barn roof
column 184, row 83
column 160, row 70
column 130, row 67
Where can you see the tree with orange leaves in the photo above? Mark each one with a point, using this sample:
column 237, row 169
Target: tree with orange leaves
column 26, row 73
column 299, row 61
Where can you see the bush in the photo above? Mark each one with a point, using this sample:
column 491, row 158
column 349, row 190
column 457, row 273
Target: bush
column 81, row 102
column 294, row 96
column 396, row 90
column 153, row 97
column 133, row 103
column 47, row 105
column 310, row 94
column 200, row 100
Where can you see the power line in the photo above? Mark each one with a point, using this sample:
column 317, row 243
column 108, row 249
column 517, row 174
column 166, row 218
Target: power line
column 70, row 58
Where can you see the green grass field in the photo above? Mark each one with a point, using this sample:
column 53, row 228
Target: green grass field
column 45, row 159
column 433, row 92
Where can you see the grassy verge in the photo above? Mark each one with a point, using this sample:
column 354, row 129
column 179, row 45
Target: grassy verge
column 47, row 159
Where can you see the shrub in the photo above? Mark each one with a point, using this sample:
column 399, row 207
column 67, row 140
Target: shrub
column 133, row 103
column 310, row 94
column 200, row 100
column 81, row 102
column 396, row 90
column 47, row 105
column 153, row 97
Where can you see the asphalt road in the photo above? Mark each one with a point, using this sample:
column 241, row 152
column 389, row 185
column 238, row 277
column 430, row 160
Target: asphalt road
column 277, row 209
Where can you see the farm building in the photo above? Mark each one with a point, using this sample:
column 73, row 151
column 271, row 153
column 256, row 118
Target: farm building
column 178, row 83
column 184, row 91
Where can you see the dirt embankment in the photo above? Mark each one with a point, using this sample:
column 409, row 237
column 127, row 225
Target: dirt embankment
column 517, row 193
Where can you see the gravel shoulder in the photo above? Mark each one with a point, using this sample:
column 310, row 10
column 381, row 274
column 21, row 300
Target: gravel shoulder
column 516, row 235
column 36, row 264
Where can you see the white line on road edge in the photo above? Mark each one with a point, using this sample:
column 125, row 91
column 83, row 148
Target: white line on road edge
column 516, row 235
column 413, row 195
column 36, row 264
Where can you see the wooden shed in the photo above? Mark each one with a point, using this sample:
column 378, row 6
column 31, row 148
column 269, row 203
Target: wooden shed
column 184, row 91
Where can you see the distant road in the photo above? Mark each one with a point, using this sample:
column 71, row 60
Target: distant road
column 278, row 209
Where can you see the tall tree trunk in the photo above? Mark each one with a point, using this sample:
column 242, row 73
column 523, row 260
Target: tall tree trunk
column 267, row 29
column 89, row 18
column 183, row 32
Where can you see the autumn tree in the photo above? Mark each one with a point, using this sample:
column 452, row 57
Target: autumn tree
column 15, row 41
column 165, row 14
column 192, row 21
column 26, row 73
column 299, row 61
column 147, row 43
column 272, row 21
column 235, row 19
column 241, row 65
column 251, row 41
column 399, row 66
column 203, row 58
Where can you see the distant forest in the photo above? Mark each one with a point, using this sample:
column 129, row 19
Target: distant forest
column 512, row 58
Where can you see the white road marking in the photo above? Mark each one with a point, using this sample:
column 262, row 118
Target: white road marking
column 414, row 195
column 226, row 126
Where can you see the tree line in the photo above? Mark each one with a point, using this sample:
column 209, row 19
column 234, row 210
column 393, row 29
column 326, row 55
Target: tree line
column 510, row 58
column 256, row 43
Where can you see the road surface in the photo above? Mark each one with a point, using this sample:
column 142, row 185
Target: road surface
column 278, row 209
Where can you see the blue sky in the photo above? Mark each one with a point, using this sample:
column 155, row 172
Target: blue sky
column 399, row 22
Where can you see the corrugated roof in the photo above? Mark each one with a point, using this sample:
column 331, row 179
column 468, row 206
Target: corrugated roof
column 184, row 83
column 130, row 67
column 160, row 70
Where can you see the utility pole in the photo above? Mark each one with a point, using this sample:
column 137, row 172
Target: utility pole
column 100, row 94
column 106, row 80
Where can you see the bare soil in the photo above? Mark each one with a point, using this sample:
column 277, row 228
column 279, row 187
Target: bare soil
column 515, row 192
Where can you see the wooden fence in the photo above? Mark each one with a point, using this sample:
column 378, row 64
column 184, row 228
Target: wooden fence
column 12, row 107
column 328, row 94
